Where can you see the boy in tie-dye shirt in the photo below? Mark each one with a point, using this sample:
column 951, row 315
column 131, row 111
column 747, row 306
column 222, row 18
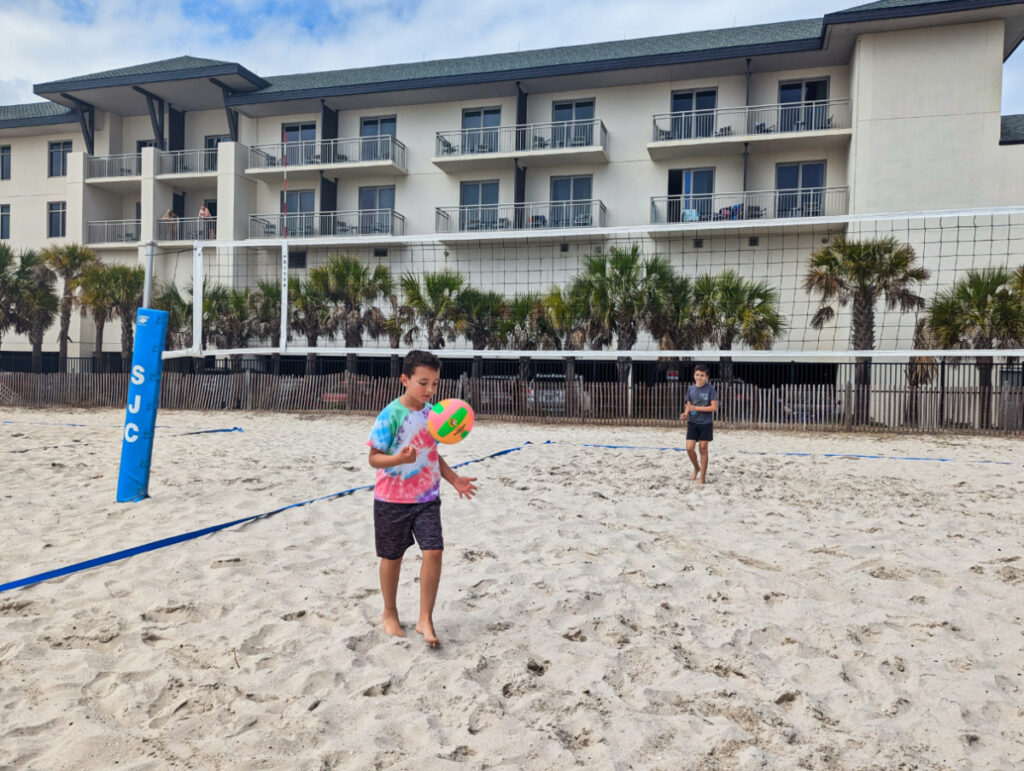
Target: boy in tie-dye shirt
column 406, row 497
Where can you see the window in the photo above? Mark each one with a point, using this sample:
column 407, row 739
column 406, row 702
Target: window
column 375, row 207
column 139, row 144
column 210, row 143
column 5, row 161
column 691, row 193
column 570, row 202
column 59, row 158
column 801, row 189
column 693, row 114
column 480, row 130
column 803, row 105
column 300, row 212
column 5, row 221
column 577, row 119
column 479, row 205
column 376, row 133
column 57, row 222
column 302, row 138
column 297, row 259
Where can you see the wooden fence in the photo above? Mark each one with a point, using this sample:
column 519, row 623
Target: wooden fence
column 893, row 408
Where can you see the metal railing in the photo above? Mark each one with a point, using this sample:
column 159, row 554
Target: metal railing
column 573, row 134
column 589, row 213
column 186, row 229
column 754, row 119
column 113, row 231
column 328, row 151
column 187, row 161
column 125, row 165
column 751, row 205
column 360, row 222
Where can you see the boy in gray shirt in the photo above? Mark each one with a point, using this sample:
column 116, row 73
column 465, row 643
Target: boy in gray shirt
column 701, row 405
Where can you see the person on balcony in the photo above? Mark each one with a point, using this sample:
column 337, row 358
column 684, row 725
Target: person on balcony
column 206, row 226
column 170, row 219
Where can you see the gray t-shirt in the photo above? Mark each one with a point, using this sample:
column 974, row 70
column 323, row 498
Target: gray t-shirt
column 701, row 397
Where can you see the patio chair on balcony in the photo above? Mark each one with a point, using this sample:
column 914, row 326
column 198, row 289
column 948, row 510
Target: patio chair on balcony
column 537, row 221
column 582, row 220
column 540, row 143
column 447, row 148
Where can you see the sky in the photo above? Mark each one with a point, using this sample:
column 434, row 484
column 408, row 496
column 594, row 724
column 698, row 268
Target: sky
column 46, row 40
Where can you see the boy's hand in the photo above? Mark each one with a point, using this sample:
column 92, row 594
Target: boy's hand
column 406, row 455
column 465, row 486
column 686, row 411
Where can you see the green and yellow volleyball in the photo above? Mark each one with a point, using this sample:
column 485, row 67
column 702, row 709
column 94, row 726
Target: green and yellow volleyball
column 450, row 421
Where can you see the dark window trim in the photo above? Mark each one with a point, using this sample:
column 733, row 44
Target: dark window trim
column 63, row 212
column 64, row 151
column 5, row 220
column 5, row 160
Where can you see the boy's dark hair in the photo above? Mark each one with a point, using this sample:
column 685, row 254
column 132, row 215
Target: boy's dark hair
column 701, row 368
column 415, row 359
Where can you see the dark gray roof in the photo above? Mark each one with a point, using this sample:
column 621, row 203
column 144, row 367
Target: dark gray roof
column 35, row 114
column 721, row 43
column 1012, row 132
column 161, row 67
column 890, row 9
column 891, row 4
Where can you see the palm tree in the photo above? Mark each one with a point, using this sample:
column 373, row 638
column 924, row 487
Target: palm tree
column 400, row 327
column 980, row 310
column 483, row 313
column 167, row 297
column 67, row 262
column 232, row 319
column 97, row 296
column 624, row 293
column 266, row 317
column 310, row 310
column 353, row 289
column 436, row 303
column 859, row 273
column 920, row 371
column 7, row 288
column 676, row 326
column 567, row 313
column 128, row 284
column 730, row 309
column 525, row 325
column 35, row 301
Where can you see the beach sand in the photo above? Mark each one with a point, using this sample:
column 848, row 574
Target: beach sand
column 596, row 609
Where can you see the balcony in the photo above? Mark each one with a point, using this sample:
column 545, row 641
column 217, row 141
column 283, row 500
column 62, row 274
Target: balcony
column 536, row 144
column 327, row 224
column 119, row 173
column 186, row 229
column 544, row 215
column 767, row 128
column 113, row 232
column 189, row 162
column 751, row 205
column 363, row 156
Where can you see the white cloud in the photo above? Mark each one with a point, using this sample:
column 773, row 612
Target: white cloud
column 40, row 46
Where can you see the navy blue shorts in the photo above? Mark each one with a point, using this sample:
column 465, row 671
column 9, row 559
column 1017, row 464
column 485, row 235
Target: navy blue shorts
column 395, row 525
column 700, row 432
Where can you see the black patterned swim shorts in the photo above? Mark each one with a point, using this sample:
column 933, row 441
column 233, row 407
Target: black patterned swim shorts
column 396, row 524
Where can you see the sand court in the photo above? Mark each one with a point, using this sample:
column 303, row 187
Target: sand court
column 812, row 606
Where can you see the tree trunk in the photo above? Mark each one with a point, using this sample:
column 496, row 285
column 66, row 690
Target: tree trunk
column 863, row 340
column 475, row 372
column 37, row 354
column 623, row 364
column 396, row 366
column 521, row 386
column 98, row 353
column 65, row 325
column 126, row 343
column 862, row 391
column 310, row 364
column 984, row 364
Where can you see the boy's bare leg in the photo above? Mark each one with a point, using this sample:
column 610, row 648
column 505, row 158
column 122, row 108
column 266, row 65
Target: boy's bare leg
column 430, row 578
column 691, row 450
column 703, row 461
column 390, row 570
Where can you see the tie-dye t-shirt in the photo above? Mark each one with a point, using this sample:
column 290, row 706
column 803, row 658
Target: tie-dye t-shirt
column 416, row 482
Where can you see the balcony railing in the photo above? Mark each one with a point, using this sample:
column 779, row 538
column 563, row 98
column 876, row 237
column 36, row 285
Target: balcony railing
column 113, row 231
column 755, row 119
column 361, row 222
column 126, row 165
column 752, row 205
column 512, row 139
column 187, row 161
column 187, row 229
column 328, row 151
column 520, row 216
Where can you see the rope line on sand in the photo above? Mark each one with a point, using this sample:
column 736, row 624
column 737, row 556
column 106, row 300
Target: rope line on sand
column 234, row 429
column 153, row 545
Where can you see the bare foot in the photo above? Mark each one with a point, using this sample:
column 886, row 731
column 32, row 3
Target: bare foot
column 701, row 480
column 391, row 623
column 694, row 474
column 426, row 628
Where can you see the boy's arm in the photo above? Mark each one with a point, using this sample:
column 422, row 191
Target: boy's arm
column 380, row 459
column 712, row 408
column 463, row 484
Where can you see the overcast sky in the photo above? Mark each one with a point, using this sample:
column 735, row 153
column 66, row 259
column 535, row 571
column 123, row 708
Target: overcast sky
column 45, row 40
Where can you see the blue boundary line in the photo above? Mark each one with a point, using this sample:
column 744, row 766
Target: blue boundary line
column 153, row 545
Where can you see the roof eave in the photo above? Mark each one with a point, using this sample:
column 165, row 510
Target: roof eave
column 731, row 52
column 58, row 86
column 875, row 14
column 43, row 120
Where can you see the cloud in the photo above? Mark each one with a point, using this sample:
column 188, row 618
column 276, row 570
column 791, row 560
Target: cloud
column 53, row 39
